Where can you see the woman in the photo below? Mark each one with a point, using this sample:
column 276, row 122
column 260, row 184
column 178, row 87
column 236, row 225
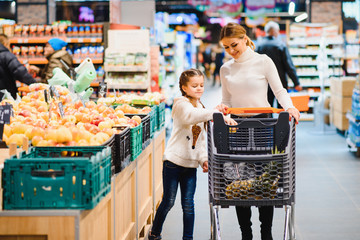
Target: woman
column 54, row 51
column 245, row 80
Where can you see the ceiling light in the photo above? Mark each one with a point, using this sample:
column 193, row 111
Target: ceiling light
column 291, row 8
column 301, row 17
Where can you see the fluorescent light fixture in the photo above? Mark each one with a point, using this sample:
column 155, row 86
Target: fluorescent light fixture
column 301, row 17
column 291, row 8
column 179, row 19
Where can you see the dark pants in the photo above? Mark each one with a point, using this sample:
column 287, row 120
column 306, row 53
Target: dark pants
column 265, row 216
column 173, row 175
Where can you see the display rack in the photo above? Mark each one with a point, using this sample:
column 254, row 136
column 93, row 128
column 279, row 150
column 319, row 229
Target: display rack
column 80, row 45
column 127, row 61
column 304, row 47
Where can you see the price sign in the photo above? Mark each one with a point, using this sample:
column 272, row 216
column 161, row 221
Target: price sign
column 5, row 113
column 61, row 110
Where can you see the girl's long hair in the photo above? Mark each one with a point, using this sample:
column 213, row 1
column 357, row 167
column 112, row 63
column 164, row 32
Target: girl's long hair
column 185, row 78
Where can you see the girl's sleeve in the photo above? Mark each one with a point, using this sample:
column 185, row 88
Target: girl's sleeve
column 226, row 96
column 190, row 115
column 272, row 76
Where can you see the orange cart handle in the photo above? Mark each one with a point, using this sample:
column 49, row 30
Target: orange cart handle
column 254, row 110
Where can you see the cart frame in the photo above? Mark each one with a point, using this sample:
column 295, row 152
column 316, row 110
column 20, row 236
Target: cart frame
column 219, row 150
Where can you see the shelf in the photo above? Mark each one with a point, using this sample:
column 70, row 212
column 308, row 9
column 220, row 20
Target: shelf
column 315, row 53
column 314, row 63
column 108, row 68
column 20, row 40
column 41, row 61
column 127, row 85
column 315, row 42
column 308, row 74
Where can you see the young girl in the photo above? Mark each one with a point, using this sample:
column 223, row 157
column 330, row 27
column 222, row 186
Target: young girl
column 185, row 151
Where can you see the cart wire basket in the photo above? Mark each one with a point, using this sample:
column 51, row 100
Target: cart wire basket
column 252, row 164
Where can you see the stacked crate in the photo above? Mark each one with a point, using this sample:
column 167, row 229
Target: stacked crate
column 341, row 98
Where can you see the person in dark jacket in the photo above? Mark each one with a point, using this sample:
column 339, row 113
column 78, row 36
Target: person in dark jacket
column 279, row 53
column 54, row 51
column 11, row 69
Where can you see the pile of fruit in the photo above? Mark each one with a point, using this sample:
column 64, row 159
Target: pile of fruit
column 42, row 123
column 147, row 99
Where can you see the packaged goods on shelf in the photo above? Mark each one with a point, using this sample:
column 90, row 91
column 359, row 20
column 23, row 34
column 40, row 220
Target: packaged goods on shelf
column 126, row 59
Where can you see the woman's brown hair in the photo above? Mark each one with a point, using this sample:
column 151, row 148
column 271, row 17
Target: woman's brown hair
column 234, row 30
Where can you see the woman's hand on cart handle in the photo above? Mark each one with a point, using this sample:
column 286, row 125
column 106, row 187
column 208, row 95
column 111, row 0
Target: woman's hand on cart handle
column 205, row 167
column 222, row 108
column 229, row 121
column 293, row 112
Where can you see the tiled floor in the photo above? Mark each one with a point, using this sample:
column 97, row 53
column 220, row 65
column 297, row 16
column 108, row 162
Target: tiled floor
column 327, row 192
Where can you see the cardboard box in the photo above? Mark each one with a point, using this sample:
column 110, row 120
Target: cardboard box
column 342, row 86
column 339, row 120
column 340, row 103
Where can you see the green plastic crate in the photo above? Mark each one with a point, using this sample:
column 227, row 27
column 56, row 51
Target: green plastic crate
column 153, row 121
column 155, row 117
column 57, row 178
column 161, row 115
column 146, row 128
column 136, row 136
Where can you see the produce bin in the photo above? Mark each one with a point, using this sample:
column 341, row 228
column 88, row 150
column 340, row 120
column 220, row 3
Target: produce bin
column 153, row 121
column 161, row 115
column 146, row 128
column 57, row 178
column 136, row 141
column 120, row 151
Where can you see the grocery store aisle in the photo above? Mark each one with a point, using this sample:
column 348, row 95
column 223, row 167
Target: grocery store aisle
column 327, row 192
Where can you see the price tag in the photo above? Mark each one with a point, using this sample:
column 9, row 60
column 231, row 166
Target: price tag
column 82, row 100
column 61, row 109
column 5, row 113
column 46, row 96
column 80, row 40
column 54, row 92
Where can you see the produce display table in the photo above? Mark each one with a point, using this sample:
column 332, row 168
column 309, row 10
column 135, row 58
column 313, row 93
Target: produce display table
column 125, row 213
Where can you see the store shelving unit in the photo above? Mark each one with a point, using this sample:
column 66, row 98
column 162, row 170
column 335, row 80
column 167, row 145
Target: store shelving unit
column 352, row 58
column 41, row 60
column 123, row 70
column 304, row 47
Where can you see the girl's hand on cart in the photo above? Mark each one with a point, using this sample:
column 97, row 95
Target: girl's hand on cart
column 222, row 108
column 205, row 167
column 294, row 113
column 229, row 121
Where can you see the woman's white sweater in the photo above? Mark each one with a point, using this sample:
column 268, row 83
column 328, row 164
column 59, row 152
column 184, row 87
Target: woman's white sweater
column 245, row 81
column 179, row 149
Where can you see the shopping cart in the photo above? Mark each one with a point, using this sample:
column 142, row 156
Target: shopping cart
column 252, row 164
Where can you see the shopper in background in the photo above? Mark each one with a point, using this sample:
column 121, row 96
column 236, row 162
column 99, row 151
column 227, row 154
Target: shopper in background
column 54, row 51
column 217, row 58
column 279, row 53
column 207, row 59
column 11, row 69
column 245, row 80
column 185, row 151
